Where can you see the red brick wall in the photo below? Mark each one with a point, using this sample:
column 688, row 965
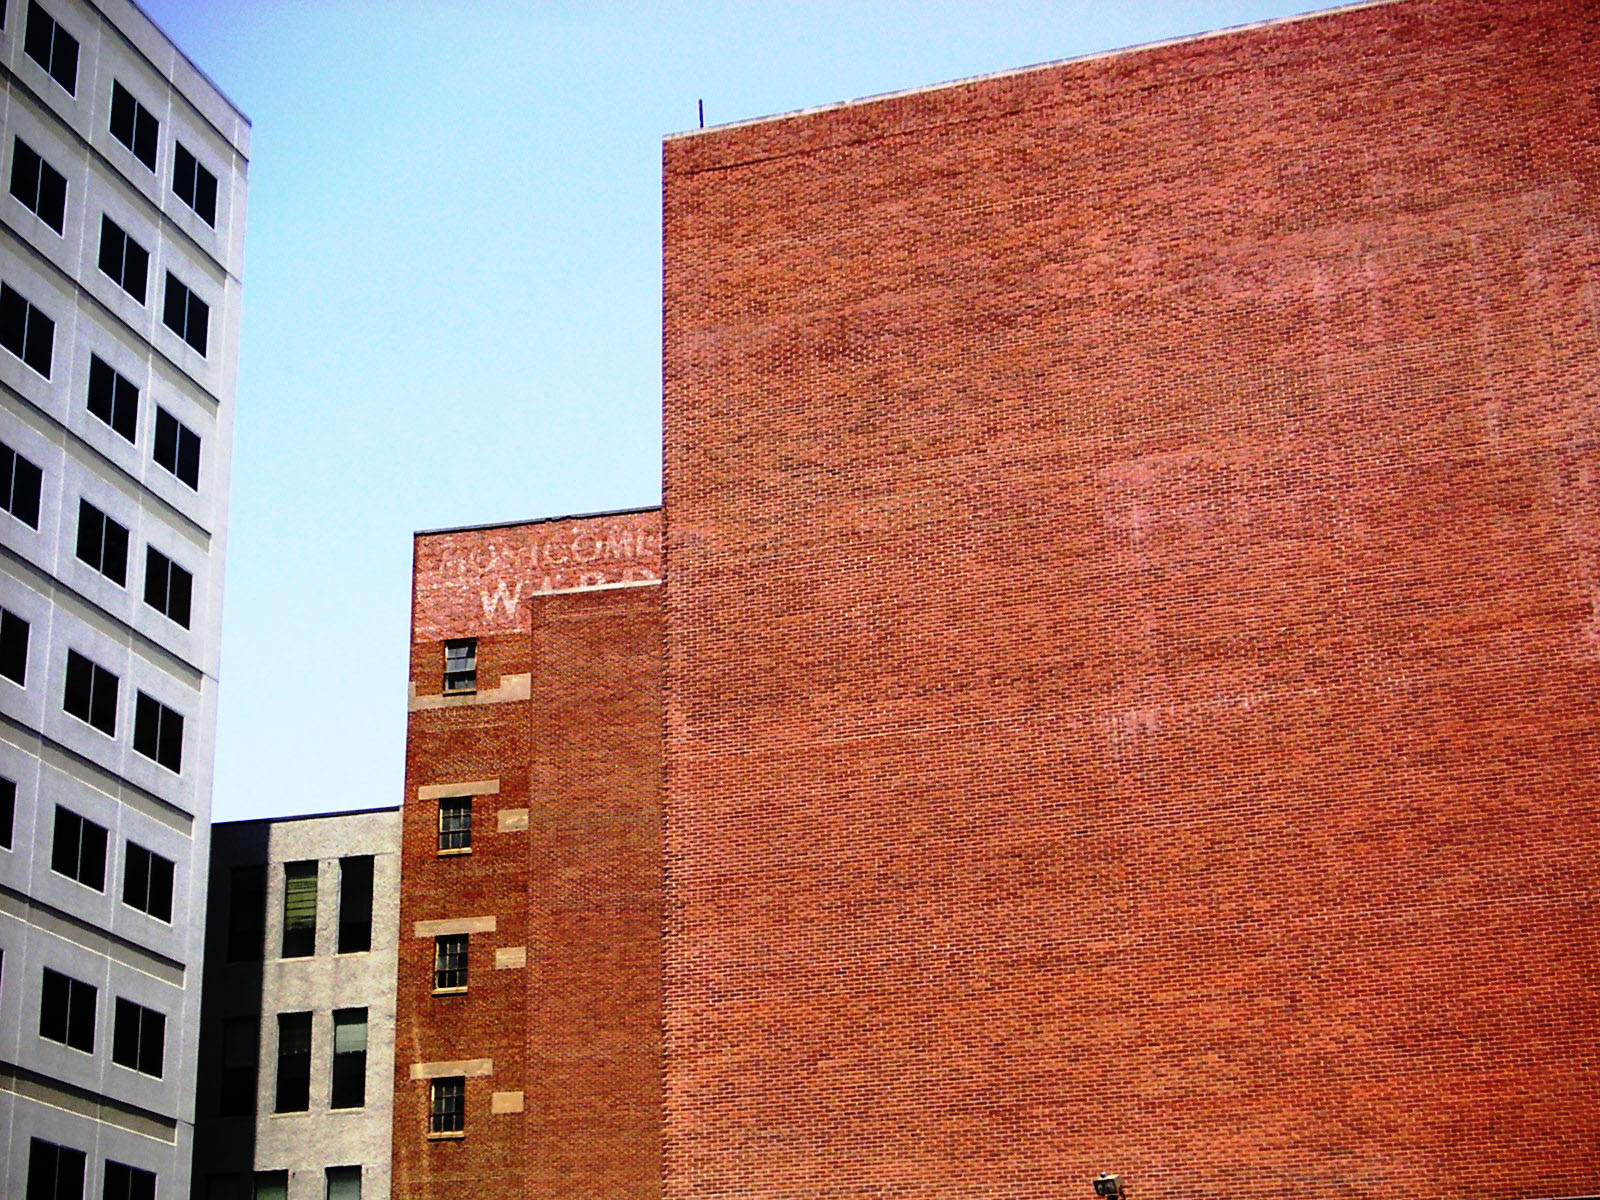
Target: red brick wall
column 1132, row 636
column 577, row 1030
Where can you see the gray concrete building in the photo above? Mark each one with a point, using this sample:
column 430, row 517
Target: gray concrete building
column 121, row 246
column 296, row 1087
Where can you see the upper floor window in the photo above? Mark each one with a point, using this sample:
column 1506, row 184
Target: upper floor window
column 448, row 1105
column 344, row 1183
column 168, row 588
column 455, row 824
column 147, row 881
column 20, row 483
column 8, row 810
column 299, row 909
column 103, row 543
column 349, row 1058
column 91, row 693
column 294, row 1062
column 450, row 962
column 247, row 914
column 138, row 1038
column 133, row 124
column 355, row 904
column 461, row 665
column 39, row 186
column 78, row 849
column 271, row 1185
column 240, row 1055
column 122, row 260
column 177, row 448
column 158, row 732
column 128, row 1183
column 54, row 1172
column 13, row 647
column 66, row 1010
column 186, row 314
column 194, row 185
column 25, row 330
column 52, row 47
column 113, row 398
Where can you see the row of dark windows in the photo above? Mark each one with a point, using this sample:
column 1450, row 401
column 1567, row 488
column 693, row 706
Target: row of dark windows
column 132, row 124
column 57, row 1173
column 340, row 1183
column 67, row 1014
column 247, row 909
column 78, row 851
column 103, row 545
column 347, row 1084
column 29, row 332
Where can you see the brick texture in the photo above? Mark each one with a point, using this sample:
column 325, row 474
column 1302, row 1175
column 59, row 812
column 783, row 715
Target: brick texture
column 1132, row 630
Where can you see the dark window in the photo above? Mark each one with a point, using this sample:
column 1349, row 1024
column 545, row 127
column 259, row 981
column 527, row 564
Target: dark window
column 13, row 647
column 91, row 693
column 20, row 484
column 158, row 732
column 168, row 588
column 138, row 1038
column 66, row 1011
column 294, row 1062
column 113, row 398
column 147, row 882
column 449, row 962
column 271, row 1185
column 344, row 1183
column 103, row 543
column 449, row 1106
column 134, row 125
column 349, row 1058
column 54, row 1172
column 124, row 261
column 299, row 909
column 128, row 1183
column 38, row 185
column 177, row 448
column 78, row 850
column 455, row 823
column 194, row 185
column 461, row 665
column 247, row 914
column 8, row 810
column 186, row 314
column 52, row 47
column 223, row 1187
column 25, row 331
column 355, row 904
column 240, row 1051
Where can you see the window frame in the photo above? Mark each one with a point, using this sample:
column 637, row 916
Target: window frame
column 355, row 895
column 175, row 440
column 123, row 259
column 102, row 542
column 447, row 1106
column 15, row 632
column 37, row 1148
column 461, row 678
column 176, row 603
column 108, row 402
column 196, row 171
column 75, row 998
column 193, row 315
column 455, row 838
column 18, row 471
column 152, row 869
column 43, row 173
column 140, row 1033
column 56, row 33
column 298, row 1078
column 158, row 732
column 452, row 955
column 70, row 836
column 38, row 341
column 140, row 122
column 349, row 1076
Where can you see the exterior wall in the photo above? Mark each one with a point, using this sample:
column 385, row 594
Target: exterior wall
column 558, row 1031
column 47, row 920
column 304, row 1144
column 1131, row 706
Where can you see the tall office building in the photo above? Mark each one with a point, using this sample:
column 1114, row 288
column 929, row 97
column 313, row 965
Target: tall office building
column 121, row 236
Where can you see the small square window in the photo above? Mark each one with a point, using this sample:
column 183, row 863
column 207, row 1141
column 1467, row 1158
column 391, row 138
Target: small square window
column 40, row 187
column 147, row 882
column 138, row 1038
column 52, row 47
column 461, row 665
column 13, row 647
column 344, row 1183
column 455, row 823
column 450, row 962
column 168, row 588
column 186, row 314
column 25, row 331
column 177, row 448
column 66, row 1011
column 91, row 694
column 271, row 1185
column 78, row 849
column 113, row 398
column 194, row 185
column 448, row 1107
column 122, row 260
column 134, row 125
column 158, row 732
column 103, row 543
column 20, row 484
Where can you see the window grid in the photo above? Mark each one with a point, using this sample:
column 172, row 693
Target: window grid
column 124, row 1182
column 177, row 448
column 40, row 187
column 54, row 1172
column 113, row 398
column 455, row 823
column 168, row 588
column 448, row 1107
column 158, row 732
column 103, row 543
column 25, row 330
column 78, row 849
column 21, row 482
column 194, row 185
column 52, row 47
column 138, row 1038
column 123, row 260
column 186, row 314
column 299, row 909
column 450, row 962
column 66, row 1010
column 134, row 125
column 461, row 665
column 13, row 647
column 147, row 882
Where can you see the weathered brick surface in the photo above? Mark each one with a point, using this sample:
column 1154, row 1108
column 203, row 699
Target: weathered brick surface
column 577, row 1030
column 1132, row 637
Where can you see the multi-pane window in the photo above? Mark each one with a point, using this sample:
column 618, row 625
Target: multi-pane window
column 113, row 398
column 450, row 962
column 66, row 1011
column 122, row 260
column 134, row 125
column 344, row 1183
column 168, row 588
column 461, row 665
column 158, row 732
column 91, row 693
column 128, row 1183
column 294, row 1063
column 147, row 882
column 448, row 1107
column 299, row 909
column 103, row 543
column 349, row 1058
column 185, row 314
column 78, row 849
column 20, row 484
column 138, row 1038
column 240, row 1051
column 247, row 914
column 177, row 448
column 25, row 330
column 355, row 904
column 52, row 47
column 271, row 1185
column 38, row 185
column 455, row 823
column 194, row 185
column 13, row 647
column 54, row 1172
column 8, row 810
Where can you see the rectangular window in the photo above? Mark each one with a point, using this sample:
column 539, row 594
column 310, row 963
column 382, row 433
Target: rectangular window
column 355, row 904
column 448, row 1110
column 54, row 1172
column 66, row 1011
column 113, row 398
column 450, row 962
column 186, row 314
column 13, row 647
column 103, row 543
column 271, row 1185
column 349, row 1058
column 138, row 1038
column 299, row 909
column 128, row 1183
column 461, row 665
column 158, row 732
column 294, row 1062
column 240, row 1054
column 247, row 914
column 344, row 1183
column 147, row 881
column 177, row 448
column 39, row 186
column 223, row 1187
column 455, row 823
column 168, row 588
column 194, row 185
column 78, row 850
column 134, row 125
column 91, row 693
column 8, row 810
column 25, row 331
column 122, row 260
column 52, row 47
column 20, row 484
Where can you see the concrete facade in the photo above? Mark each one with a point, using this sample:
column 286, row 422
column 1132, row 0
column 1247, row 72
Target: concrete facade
column 107, row 133
column 252, row 988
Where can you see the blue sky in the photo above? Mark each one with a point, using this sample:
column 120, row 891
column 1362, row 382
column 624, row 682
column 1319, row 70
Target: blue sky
column 453, row 294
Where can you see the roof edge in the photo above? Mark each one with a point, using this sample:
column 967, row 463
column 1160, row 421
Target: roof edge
column 588, row 516
column 347, row 812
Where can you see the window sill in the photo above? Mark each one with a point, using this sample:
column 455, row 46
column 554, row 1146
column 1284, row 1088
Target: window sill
column 456, row 1136
column 457, row 853
column 454, row 991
